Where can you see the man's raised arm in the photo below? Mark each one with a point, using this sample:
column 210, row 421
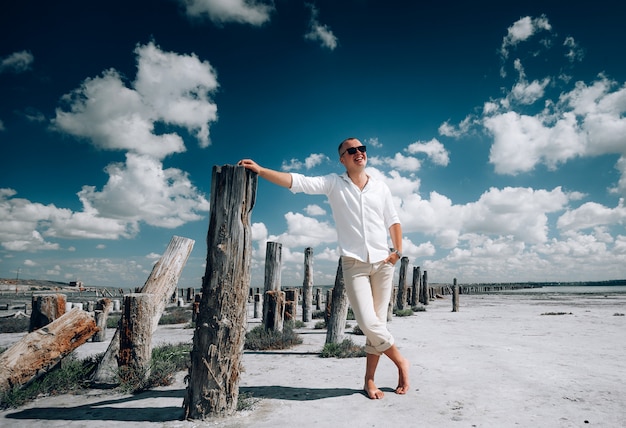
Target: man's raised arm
column 277, row 177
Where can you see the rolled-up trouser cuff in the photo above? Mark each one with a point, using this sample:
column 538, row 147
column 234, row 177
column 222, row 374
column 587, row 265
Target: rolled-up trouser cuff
column 380, row 349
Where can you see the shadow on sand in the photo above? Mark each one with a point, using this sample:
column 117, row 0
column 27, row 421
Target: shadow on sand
column 119, row 409
column 132, row 409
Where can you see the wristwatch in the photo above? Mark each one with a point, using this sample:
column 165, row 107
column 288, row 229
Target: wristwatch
column 398, row 253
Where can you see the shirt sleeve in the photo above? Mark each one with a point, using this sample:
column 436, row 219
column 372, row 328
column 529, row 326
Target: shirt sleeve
column 390, row 214
column 310, row 185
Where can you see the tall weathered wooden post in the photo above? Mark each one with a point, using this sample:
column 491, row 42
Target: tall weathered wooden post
column 455, row 297
column 307, row 285
column 273, row 261
column 273, row 298
column 219, row 336
column 401, row 300
column 318, row 299
column 415, row 295
column 425, row 295
column 338, row 309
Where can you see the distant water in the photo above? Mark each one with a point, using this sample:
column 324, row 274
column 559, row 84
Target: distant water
column 575, row 289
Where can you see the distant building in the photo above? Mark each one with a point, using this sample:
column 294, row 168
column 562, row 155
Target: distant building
column 78, row 284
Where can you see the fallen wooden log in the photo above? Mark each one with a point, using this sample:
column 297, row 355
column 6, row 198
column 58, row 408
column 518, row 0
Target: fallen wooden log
column 39, row 351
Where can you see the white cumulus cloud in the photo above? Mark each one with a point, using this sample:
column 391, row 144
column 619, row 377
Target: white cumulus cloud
column 224, row 11
column 17, row 62
column 319, row 32
column 170, row 88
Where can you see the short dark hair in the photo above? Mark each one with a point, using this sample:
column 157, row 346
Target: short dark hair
column 341, row 144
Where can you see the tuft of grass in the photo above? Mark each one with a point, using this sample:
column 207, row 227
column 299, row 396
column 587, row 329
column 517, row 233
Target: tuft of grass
column 298, row 324
column 345, row 349
column 557, row 313
column 113, row 320
column 246, row 402
column 166, row 361
column 317, row 314
column 176, row 315
column 259, row 339
column 320, row 325
column 418, row 308
column 132, row 379
column 357, row 331
column 403, row 312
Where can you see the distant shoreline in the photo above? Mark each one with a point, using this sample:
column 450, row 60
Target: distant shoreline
column 7, row 283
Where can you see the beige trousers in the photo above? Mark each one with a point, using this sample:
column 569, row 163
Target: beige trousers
column 369, row 286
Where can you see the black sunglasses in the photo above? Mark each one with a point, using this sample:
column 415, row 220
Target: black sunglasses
column 352, row 150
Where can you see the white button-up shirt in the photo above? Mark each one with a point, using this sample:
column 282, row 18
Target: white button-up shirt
column 362, row 217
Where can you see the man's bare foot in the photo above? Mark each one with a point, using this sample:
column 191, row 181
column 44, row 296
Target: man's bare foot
column 403, row 377
column 372, row 391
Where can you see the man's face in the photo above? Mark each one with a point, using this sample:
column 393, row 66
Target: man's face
column 351, row 156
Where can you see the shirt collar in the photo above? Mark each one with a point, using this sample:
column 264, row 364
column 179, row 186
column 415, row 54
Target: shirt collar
column 347, row 179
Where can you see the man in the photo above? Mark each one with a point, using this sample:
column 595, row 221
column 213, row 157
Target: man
column 364, row 217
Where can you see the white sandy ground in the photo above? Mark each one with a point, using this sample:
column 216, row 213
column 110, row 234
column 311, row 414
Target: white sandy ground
column 498, row 362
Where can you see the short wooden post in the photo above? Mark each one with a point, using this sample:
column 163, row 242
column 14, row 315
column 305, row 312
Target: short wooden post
column 257, row 305
column 401, row 299
column 291, row 304
column 219, row 337
column 136, row 334
column 455, row 297
column 274, row 303
column 101, row 315
column 45, row 309
column 101, row 321
column 425, row 292
column 339, row 309
column 307, row 285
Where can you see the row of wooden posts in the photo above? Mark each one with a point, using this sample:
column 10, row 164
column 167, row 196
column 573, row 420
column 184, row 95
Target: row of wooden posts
column 280, row 305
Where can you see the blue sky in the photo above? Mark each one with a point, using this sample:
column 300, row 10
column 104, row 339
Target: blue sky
column 500, row 130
